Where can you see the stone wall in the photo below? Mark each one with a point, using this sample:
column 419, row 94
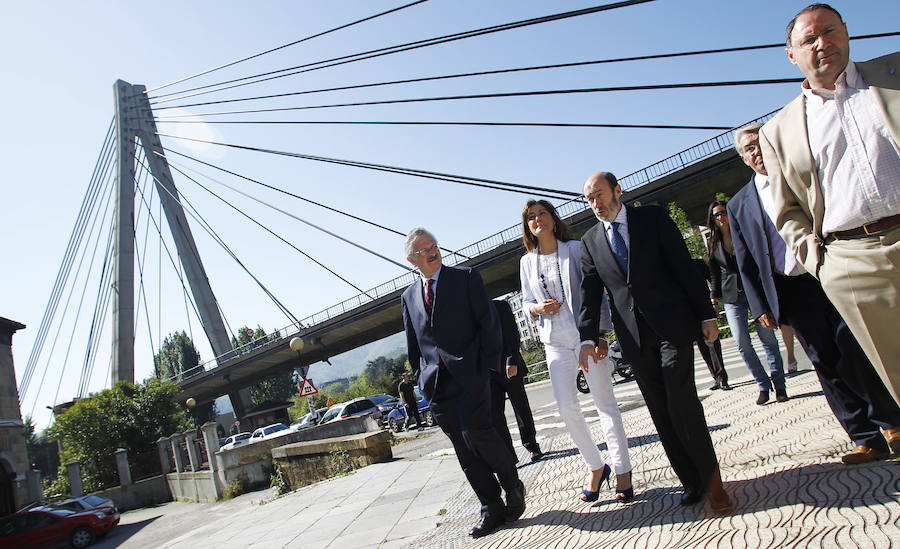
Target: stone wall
column 305, row 463
column 143, row 493
column 253, row 462
column 196, row 486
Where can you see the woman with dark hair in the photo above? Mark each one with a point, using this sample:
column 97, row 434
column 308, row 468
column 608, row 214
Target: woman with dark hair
column 551, row 279
column 726, row 286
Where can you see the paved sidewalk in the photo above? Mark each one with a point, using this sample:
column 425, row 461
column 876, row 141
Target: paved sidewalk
column 779, row 462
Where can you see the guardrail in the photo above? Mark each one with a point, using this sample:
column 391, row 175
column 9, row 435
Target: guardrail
column 678, row 161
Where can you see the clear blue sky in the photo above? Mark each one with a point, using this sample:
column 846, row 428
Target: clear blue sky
column 62, row 59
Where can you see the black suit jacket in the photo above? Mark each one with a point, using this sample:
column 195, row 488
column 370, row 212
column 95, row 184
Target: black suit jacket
column 662, row 284
column 511, row 354
column 752, row 251
column 462, row 334
column 724, row 276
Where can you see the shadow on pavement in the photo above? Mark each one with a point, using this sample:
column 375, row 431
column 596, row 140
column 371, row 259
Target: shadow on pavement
column 820, row 486
column 121, row 533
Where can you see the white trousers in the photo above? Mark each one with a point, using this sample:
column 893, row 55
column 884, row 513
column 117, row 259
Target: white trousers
column 563, row 366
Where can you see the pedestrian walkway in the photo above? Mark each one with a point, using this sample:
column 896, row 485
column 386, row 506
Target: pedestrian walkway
column 780, row 463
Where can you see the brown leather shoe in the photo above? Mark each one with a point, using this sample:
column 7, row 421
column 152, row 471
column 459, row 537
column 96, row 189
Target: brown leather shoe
column 893, row 439
column 863, row 454
column 716, row 495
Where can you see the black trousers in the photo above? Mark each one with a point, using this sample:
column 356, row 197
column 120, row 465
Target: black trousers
column 665, row 375
column 463, row 411
column 854, row 391
column 713, row 360
column 518, row 398
column 412, row 411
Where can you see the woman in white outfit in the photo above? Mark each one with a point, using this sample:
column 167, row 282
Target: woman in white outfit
column 551, row 281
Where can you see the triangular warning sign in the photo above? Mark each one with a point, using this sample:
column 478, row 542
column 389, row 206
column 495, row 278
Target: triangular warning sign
column 307, row 388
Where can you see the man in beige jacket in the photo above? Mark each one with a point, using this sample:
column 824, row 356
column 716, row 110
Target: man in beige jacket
column 834, row 166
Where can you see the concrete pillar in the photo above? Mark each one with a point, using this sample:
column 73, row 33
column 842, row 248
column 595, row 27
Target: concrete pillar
column 74, row 470
column 162, row 446
column 34, row 485
column 211, row 439
column 175, row 440
column 122, row 467
column 189, row 438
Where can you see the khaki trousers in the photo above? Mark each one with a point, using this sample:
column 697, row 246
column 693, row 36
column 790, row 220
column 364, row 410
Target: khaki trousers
column 861, row 277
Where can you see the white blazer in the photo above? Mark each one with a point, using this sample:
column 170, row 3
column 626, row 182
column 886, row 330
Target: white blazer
column 569, row 263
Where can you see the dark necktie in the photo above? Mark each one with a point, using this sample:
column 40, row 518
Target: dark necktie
column 619, row 249
column 429, row 296
column 776, row 244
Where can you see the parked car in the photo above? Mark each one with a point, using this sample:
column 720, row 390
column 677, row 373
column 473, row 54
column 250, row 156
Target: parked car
column 398, row 420
column 53, row 526
column 269, row 431
column 352, row 408
column 236, row 440
column 77, row 504
column 385, row 403
column 308, row 420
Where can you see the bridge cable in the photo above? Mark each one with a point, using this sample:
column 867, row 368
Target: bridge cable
column 182, row 200
column 500, row 71
column 105, row 199
column 104, row 291
column 495, row 95
column 100, row 204
column 140, row 262
column 465, row 180
column 270, row 231
column 288, row 193
column 398, row 48
column 85, row 211
column 313, row 225
column 448, row 123
column 289, row 44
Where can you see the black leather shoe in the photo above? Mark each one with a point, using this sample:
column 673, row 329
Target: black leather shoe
column 515, row 503
column 489, row 522
column 691, row 496
column 725, row 386
column 763, row 398
column 781, row 396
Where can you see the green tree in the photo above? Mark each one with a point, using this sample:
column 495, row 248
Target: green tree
column 126, row 416
column 176, row 356
column 723, row 197
column 278, row 387
column 177, row 359
column 533, row 352
column 692, row 237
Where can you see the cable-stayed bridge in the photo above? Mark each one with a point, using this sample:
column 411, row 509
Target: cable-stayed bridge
column 133, row 185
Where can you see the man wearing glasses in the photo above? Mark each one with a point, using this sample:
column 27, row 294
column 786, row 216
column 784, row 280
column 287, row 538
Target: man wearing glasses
column 453, row 338
column 834, row 166
column 780, row 291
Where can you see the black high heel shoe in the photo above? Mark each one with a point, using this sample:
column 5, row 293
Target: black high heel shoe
column 588, row 496
column 626, row 495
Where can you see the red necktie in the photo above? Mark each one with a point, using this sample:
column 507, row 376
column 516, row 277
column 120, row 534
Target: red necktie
column 429, row 296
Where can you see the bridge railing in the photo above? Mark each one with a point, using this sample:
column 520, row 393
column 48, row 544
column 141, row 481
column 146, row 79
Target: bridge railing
column 680, row 160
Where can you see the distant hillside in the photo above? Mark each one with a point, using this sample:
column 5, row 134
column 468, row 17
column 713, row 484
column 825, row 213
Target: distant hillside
column 353, row 362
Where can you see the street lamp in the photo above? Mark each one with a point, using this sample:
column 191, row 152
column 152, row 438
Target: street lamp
column 297, row 345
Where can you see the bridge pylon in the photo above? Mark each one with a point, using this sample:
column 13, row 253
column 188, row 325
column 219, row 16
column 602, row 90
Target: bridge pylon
column 135, row 127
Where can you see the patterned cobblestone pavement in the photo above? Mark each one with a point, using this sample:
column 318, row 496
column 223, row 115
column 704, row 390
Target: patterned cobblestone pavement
column 780, row 463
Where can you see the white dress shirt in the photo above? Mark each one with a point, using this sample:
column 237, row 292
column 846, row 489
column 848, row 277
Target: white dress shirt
column 622, row 220
column 857, row 161
column 792, row 267
column 434, row 277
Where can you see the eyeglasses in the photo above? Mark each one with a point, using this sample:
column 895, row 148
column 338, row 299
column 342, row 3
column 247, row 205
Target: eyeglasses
column 424, row 251
column 720, row 214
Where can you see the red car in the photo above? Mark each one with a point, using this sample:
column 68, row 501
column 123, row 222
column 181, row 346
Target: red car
column 51, row 526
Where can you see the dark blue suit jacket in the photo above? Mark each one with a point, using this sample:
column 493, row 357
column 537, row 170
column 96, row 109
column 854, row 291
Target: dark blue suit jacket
column 463, row 333
column 746, row 218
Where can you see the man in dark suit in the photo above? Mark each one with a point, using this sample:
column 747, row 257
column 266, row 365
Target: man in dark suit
column 660, row 305
column 509, row 379
column 453, row 339
column 780, row 291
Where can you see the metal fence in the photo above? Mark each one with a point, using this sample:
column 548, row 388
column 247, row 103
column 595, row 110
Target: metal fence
column 632, row 181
